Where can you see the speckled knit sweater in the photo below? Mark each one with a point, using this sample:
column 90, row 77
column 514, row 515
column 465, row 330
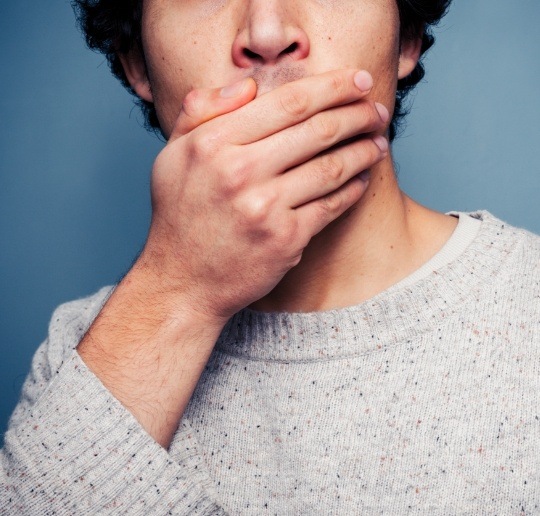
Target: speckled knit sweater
column 423, row 400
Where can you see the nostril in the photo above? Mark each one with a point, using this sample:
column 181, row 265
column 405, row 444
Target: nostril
column 250, row 50
column 290, row 49
column 250, row 54
column 253, row 55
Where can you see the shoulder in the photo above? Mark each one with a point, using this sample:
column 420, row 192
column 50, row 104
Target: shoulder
column 513, row 253
column 519, row 244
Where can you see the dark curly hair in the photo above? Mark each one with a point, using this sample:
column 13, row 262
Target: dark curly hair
column 114, row 26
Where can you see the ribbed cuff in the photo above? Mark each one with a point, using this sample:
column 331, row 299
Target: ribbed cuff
column 81, row 450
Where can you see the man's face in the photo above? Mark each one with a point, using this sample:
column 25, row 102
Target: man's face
column 211, row 43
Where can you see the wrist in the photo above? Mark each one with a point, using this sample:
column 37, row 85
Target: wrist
column 167, row 299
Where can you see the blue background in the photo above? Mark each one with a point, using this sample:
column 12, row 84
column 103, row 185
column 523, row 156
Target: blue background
column 75, row 160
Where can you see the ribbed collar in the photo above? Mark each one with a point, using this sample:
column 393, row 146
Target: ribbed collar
column 398, row 314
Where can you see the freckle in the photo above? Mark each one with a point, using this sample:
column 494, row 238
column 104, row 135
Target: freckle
column 194, row 41
column 329, row 38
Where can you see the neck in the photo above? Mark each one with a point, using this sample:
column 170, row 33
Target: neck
column 379, row 241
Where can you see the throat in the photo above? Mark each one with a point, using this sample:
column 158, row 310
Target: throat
column 380, row 241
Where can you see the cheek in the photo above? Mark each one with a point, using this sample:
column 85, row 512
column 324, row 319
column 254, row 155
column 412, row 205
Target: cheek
column 165, row 79
column 362, row 32
column 361, row 47
column 179, row 61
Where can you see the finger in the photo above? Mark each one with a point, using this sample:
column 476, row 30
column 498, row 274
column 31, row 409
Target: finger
column 295, row 102
column 300, row 143
column 202, row 105
column 329, row 171
column 314, row 216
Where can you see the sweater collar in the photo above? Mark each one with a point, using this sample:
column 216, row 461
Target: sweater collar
column 397, row 315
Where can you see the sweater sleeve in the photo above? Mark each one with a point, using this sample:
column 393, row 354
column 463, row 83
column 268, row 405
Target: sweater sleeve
column 72, row 448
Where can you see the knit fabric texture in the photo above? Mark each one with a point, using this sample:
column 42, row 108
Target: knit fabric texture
column 422, row 400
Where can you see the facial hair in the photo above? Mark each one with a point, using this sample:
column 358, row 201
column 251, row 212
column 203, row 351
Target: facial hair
column 268, row 80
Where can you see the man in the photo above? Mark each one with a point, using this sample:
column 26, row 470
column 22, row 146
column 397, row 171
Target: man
column 297, row 336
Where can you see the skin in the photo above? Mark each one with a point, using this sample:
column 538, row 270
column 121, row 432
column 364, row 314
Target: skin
column 260, row 196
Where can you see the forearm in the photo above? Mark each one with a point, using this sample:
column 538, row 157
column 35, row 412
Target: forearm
column 227, row 225
column 149, row 348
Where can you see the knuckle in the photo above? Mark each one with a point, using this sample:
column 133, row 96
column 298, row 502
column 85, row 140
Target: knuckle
column 366, row 153
column 235, row 177
column 331, row 168
column 161, row 179
column 295, row 260
column 256, row 208
column 334, row 203
column 294, row 102
column 191, row 103
column 286, row 234
column 339, row 85
column 325, row 129
column 330, row 204
column 204, row 145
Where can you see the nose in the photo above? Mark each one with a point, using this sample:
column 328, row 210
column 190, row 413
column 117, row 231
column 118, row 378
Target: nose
column 268, row 34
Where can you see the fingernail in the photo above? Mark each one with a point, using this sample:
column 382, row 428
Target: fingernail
column 381, row 142
column 233, row 90
column 363, row 80
column 383, row 112
column 364, row 176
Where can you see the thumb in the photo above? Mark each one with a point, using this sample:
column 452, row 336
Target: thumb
column 202, row 105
